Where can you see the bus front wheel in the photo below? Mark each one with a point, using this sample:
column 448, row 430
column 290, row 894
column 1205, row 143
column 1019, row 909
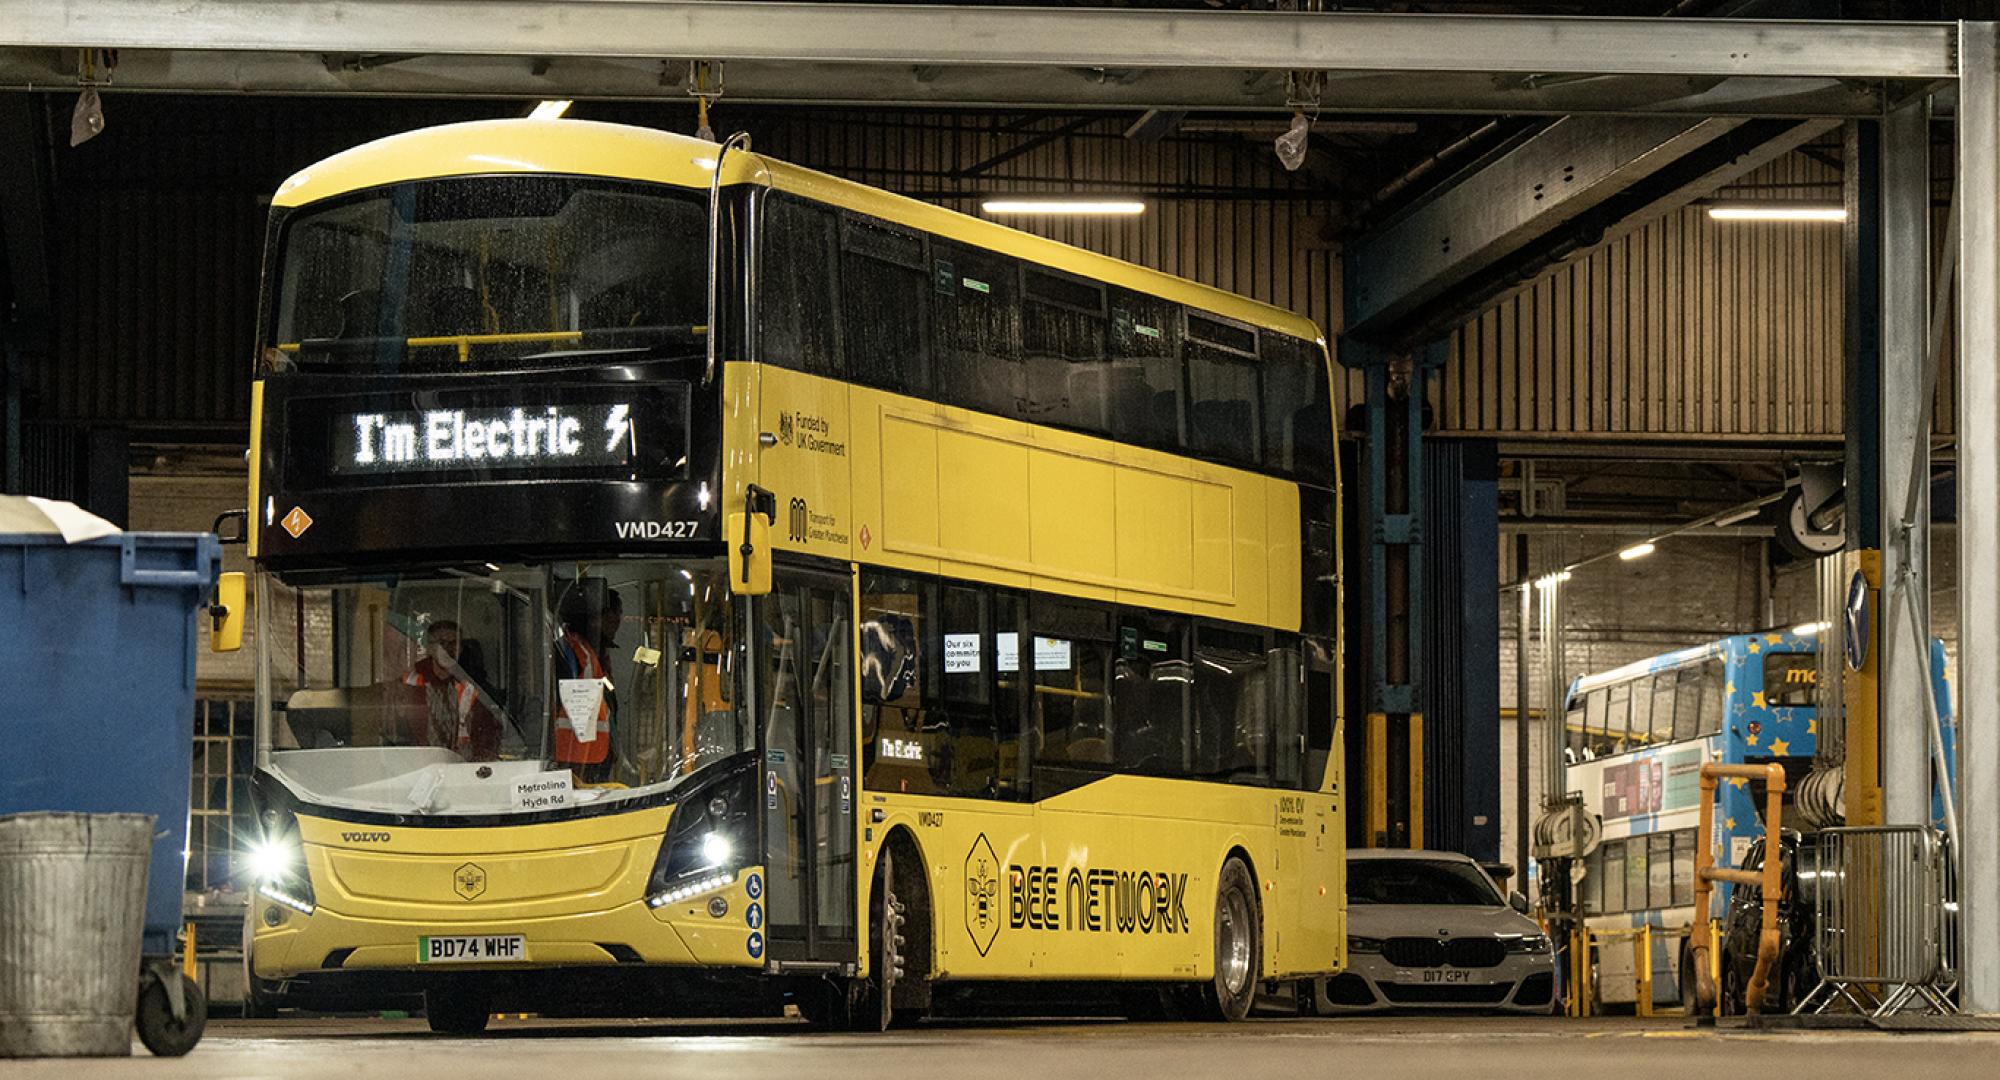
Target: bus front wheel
column 1239, row 946
column 456, row 1010
column 897, row 990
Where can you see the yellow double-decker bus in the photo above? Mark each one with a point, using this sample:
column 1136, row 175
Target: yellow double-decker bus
column 687, row 583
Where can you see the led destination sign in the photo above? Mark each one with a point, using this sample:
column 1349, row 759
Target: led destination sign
column 454, row 438
column 596, row 428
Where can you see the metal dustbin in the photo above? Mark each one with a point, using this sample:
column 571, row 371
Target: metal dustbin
column 99, row 631
column 75, row 910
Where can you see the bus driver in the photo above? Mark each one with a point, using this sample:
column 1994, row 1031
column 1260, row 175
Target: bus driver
column 457, row 714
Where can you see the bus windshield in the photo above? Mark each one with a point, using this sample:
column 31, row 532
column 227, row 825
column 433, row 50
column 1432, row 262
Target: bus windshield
column 1418, row 881
column 492, row 271
column 496, row 689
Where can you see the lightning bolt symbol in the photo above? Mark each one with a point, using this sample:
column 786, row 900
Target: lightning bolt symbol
column 619, row 427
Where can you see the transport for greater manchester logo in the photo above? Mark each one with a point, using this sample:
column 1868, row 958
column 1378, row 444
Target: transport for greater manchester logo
column 982, row 894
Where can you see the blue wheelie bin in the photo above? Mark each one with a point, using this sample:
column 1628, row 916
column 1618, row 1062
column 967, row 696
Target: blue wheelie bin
column 97, row 655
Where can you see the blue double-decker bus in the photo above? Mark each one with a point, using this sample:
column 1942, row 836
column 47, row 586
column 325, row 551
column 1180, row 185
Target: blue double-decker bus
column 1637, row 738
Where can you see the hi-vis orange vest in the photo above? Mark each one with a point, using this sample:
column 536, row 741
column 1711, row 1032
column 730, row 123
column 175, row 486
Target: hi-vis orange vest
column 428, row 674
column 580, row 662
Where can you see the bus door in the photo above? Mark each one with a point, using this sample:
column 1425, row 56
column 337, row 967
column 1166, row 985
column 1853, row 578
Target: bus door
column 805, row 701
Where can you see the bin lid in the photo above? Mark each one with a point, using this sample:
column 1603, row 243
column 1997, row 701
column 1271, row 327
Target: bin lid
column 28, row 515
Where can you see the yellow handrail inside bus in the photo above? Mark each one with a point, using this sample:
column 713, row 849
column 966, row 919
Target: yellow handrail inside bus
column 464, row 342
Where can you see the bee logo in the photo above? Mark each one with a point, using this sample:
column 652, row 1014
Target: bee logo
column 469, row 881
column 982, row 895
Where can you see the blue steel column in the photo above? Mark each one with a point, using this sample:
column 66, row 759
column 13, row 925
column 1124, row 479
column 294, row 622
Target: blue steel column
column 1393, row 522
column 1979, row 512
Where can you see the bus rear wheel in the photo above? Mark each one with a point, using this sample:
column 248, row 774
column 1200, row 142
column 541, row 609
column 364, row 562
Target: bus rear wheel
column 1239, row 946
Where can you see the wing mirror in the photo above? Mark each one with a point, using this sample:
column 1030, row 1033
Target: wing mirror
column 749, row 536
column 1517, row 901
column 227, row 614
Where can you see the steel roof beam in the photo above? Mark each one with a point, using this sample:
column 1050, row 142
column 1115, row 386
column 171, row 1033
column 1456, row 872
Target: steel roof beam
column 930, row 87
column 1569, row 187
column 940, row 56
column 921, row 34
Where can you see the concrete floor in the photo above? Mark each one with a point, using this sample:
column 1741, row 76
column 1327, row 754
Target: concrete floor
column 1422, row 1048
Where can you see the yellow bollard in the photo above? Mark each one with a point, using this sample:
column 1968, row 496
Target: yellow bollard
column 1715, row 964
column 1583, row 979
column 1642, row 974
column 187, row 954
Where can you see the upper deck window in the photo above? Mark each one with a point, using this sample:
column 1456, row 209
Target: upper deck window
column 1790, row 679
column 492, row 272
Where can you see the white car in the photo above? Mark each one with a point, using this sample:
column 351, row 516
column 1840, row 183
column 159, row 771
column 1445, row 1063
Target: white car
column 1429, row 930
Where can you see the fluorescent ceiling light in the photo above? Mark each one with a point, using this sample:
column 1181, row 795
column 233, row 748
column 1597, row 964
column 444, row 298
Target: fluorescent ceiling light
column 1777, row 212
column 1637, row 551
column 549, row 110
column 1073, row 207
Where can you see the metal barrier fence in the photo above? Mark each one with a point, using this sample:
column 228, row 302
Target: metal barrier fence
column 1880, row 936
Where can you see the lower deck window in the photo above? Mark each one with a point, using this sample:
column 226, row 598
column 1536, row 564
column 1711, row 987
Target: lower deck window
column 991, row 693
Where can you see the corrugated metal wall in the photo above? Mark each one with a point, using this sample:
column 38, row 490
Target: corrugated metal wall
column 1225, row 214
column 1682, row 327
column 160, row 223
column 1460, row 683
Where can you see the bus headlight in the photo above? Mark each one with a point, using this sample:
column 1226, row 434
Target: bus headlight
column 277, row 864
column 710, row 830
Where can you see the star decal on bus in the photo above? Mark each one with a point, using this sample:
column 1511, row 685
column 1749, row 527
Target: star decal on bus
column 1779, row 747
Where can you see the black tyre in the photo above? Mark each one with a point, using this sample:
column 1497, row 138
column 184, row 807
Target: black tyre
column 260, row 996
column 1239, row 946
column 162, row 1034
column 896, row 992
column 1686, row 979
column 457, row 1011
column 1731, row 990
